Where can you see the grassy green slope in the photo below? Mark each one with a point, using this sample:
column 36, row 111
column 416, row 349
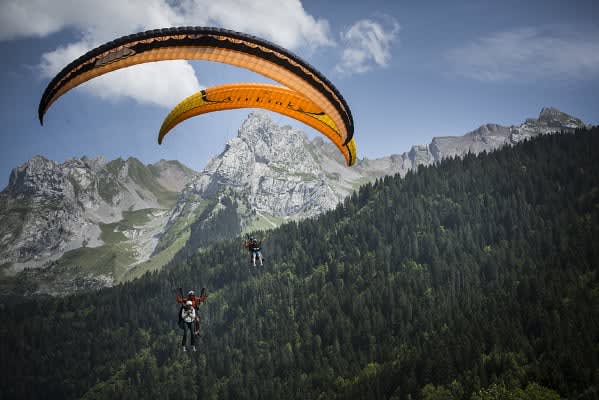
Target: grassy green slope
column 145, row 177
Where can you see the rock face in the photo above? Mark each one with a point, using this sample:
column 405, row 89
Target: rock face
column 270, row 173
column 49, row 208
column 487, row 138
column 172, row 175
column 274, row 167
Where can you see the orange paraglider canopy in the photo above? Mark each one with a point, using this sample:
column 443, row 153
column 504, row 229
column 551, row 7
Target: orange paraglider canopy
column 257, row 95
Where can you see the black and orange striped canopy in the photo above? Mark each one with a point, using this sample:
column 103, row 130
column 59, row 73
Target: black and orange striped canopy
column 219, row 45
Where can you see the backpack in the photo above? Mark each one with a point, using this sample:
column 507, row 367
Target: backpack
column 180, row 322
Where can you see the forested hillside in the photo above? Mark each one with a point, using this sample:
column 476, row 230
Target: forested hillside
column 476, row 278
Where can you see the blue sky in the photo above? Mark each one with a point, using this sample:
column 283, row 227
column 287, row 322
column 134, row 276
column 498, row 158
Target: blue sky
column 409, row 71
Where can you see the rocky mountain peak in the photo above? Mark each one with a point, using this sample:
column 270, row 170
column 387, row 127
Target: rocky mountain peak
column 267, row 141
column 163, row 164
column 552, row 113
column 487, row 137
column 552, row 117
column 486, row 130
column 257, row 126
column 273, row 167
column 32, row 175
column 95, row 163
column 550, row 120
column 49, row 208
column 259, row 143
column 172, row 175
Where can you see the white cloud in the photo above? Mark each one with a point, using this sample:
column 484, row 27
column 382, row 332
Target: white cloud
column 368, row 44
column 527, row 54
column 149, row 83
column 96, row 20
column 283, row 22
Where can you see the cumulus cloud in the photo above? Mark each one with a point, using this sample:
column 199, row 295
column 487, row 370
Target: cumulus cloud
column 368, row 44
column 527, row 54
column 95, row 20
column 284, row 22
column 165, row 83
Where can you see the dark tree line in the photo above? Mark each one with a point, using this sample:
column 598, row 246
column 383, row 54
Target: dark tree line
column 473, row 279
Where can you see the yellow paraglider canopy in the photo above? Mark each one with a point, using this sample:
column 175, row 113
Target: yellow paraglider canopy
column 258, row 95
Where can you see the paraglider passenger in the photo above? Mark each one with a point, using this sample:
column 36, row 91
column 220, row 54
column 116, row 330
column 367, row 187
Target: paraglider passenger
column 195, row 303
column 188, row 315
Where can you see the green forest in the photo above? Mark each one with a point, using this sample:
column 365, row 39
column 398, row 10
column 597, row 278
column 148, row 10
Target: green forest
column 475, row 278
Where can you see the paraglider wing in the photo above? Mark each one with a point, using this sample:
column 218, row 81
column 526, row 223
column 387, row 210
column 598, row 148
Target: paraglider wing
column 211, row 44
column 258, row 95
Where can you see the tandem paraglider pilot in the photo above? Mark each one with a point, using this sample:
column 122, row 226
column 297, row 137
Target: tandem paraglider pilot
column 195, row 304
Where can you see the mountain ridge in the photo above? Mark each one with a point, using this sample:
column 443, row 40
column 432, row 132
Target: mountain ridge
column 266, row 175
column 49, row 209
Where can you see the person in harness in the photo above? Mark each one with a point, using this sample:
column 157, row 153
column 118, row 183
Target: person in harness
column 254, row 247
column 195, row 304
